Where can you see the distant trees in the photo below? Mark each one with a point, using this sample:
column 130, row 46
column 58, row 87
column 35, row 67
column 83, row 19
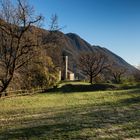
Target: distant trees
column 92, row 64
column 117, row 73
column 136, row 74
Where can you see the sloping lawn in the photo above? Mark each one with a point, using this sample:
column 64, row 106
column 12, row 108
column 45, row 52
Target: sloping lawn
column 99, row 115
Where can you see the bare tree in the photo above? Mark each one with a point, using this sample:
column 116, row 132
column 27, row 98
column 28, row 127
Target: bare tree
column 54, row 23
column 92, row 64
column 17, row 38
column 136, row 74
column 117, row 73
column 53, row 37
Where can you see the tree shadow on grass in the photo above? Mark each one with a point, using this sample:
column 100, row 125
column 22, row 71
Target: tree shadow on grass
column 69, row 88
column 135, row 91
column 81, row 123
column 130, row 86
column 132, row 100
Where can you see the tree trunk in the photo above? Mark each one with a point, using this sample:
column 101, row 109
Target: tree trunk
column 91, row 79
column 5, row 85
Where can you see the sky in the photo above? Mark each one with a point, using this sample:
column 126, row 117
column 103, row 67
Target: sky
column 113, row 24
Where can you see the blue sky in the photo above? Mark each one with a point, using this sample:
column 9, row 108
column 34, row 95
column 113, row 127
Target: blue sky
column 114, row 24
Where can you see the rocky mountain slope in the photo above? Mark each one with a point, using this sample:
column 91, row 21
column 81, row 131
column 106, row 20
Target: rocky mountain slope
column 73, row 44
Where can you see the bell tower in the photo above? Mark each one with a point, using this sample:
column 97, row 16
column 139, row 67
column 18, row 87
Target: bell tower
column 66, row 68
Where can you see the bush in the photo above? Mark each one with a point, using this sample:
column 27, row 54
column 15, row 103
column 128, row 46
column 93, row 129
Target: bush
column 38, row 74
column 137, row 76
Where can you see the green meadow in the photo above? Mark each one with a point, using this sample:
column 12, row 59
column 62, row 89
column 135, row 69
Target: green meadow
column 72, row 115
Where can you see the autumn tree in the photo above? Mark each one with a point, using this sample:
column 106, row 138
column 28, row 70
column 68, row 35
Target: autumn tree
column 39, row 73
column 17, row 41
column 92, row 64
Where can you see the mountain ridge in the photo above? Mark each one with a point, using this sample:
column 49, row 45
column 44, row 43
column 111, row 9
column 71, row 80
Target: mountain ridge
column 79, row 45
column 72, row 44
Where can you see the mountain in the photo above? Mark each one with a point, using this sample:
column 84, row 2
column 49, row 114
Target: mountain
column 73, row 44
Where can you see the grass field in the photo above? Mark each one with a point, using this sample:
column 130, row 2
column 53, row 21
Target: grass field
column 98, row 115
